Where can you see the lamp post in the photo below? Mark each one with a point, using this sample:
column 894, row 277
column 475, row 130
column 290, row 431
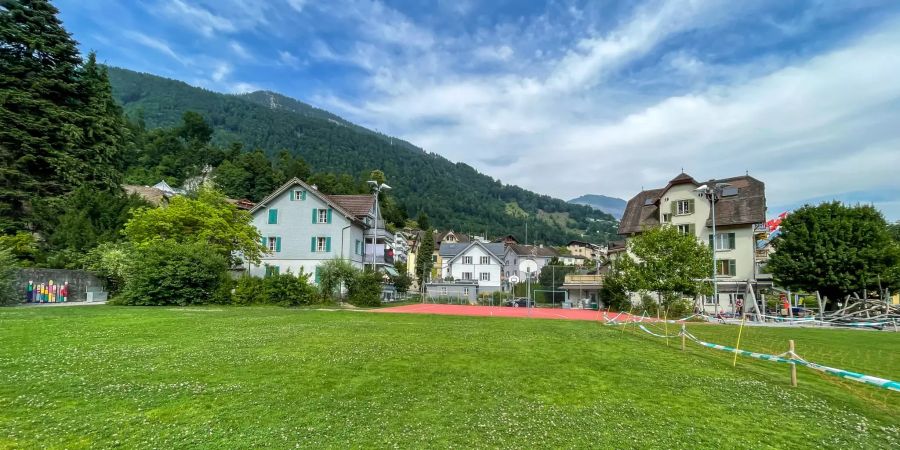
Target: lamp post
column 713, row 193
column 378, row 188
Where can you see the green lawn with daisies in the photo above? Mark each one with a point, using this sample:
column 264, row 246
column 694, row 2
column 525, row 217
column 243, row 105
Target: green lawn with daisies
column 228, row 377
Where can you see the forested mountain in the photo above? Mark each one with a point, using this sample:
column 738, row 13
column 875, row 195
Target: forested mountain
column 610, row 205
column 454, row 195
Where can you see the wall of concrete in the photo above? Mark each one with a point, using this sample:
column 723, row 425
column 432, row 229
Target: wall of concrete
column 80, row 281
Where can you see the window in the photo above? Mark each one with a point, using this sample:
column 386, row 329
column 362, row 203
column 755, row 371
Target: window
column 467, row 275
column 723, row 241
column 358, row 248
column 443, row 290
column 298, row 194
column 323, row 216
column 687, row 228
column 710, row 300
column 273, row 244
column 484, row 276
column 726, row 267
column 273, row 216
column 320, row 244
column 485, row 260
column 466, row 292
column 467, row 260
column 272, row 270
column 667, row 218
column 433, row 258
column 682, row 207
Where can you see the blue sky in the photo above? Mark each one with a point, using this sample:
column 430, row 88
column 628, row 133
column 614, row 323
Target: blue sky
column 561, row 97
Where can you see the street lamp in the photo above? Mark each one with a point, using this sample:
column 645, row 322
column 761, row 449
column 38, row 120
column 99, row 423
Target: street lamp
column 378, row 188
column 713, row 193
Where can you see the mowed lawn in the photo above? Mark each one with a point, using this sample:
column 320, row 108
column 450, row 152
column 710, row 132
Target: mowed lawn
column 219, row 377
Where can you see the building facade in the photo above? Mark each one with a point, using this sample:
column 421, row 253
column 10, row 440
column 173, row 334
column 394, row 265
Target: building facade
column 739, row 209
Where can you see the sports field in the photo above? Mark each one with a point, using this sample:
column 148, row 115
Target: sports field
column 213, row 377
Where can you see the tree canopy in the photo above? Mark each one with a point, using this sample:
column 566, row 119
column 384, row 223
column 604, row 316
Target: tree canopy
column 835, row 249
column 666, row 262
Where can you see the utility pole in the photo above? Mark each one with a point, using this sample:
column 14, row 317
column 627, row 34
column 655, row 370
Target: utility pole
column 378, row 188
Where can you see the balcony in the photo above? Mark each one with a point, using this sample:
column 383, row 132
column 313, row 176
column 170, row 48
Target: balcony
column 583, row 279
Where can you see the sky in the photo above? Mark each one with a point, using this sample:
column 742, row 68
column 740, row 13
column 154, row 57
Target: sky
column 561, row 97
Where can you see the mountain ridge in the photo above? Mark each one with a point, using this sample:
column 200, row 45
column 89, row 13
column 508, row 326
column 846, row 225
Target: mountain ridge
column 611, row 205
column 453, row 194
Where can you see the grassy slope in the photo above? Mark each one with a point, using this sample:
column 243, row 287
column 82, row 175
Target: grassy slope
column 228, row 377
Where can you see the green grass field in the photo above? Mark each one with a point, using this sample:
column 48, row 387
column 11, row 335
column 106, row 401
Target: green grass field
column 89, row 377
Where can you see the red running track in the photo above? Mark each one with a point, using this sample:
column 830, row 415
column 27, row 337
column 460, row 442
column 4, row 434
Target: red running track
column 506, row 311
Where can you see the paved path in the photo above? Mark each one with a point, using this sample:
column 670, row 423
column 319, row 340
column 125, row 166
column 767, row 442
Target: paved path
column 505, row 311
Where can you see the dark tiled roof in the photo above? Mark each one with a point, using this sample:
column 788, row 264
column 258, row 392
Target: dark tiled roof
column 642, row 211
column 526, row 250
column 358, row 205
column 748, row 206
column 452, row 249
column 440, row 235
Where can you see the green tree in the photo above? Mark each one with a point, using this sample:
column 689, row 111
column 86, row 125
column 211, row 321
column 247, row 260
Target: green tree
column 554, row 274
column 402, row 281
column 334, row 275
column 8, row 295
column 666, row 262
column 22, row 246
column 168, row 272
column 209, row 220
column 836, row 250
column 423, row 256
column 364, row 289
column 59, row 128
column 422, row 221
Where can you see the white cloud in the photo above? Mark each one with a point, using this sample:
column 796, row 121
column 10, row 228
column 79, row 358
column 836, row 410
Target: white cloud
column 806, row 127
column 239, row 50
column 154, row 43
column 288, row 59
column 197, row 17
column 221, row 71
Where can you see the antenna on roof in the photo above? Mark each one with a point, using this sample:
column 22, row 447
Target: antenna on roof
column 747, row 172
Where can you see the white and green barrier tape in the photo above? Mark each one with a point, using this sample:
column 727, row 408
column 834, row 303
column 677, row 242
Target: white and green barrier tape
column 790, row 358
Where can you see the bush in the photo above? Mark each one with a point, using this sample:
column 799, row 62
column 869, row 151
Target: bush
column 364, row 289
column 332, row 274
column 614, row 293
column 7, row 278
column 169, row 273
column 288, row 289
column 248, row 291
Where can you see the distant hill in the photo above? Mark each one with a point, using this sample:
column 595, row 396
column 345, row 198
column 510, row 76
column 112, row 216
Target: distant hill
column 610, row 205
column 454, row 195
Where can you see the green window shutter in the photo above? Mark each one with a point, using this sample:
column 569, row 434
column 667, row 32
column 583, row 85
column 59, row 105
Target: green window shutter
column 276, row 270
column 328, row 244
column 312, row 244
column 674, row 206
column 732, row 269
column 731, row 241
column 356, row 247
column 262, row 241
column 690, row 206
column 273, row 216
column 303, row 195
column 712, row 242
column 292, row 195
column 314, row 215
column 329, row 215
column 692, row 229
column 318, row 274
column 278, row 244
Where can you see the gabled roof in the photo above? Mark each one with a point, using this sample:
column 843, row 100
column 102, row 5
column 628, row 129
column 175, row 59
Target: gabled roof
column 746, row 207
column 641, row 211
column 439, row 237
column 531, row 250
column 359, row 205
column 493, row 249
column 309, row 189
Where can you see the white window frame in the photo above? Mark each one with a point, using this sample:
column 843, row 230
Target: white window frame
column 272, row 243
column 485, row 260
column 667, row 217
column 726, row 264
column 321, row 243
column 723, row 242
column 467, row 260
column 686, row 230
column 682, row 207
column 466, row 292
column 322, row 216
column 484, row 276
column 298, row 194
column 466, row 276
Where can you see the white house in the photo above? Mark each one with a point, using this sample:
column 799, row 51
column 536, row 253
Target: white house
column 473, row 261
column 301, row 228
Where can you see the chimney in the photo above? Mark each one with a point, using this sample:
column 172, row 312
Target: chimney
column 315, row 187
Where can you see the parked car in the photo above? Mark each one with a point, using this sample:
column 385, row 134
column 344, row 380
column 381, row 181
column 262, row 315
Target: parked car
column 519, row 302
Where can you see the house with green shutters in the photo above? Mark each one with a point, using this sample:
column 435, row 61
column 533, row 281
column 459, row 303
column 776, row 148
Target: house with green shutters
column 302, row 228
